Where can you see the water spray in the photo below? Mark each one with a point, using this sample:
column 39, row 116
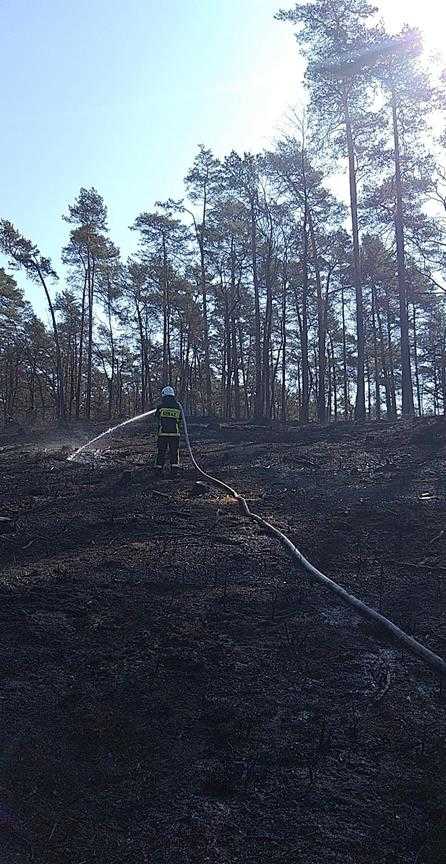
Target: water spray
column 109, row 432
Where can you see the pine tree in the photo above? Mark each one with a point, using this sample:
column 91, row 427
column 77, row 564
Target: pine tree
column 84, row 251
column 26, row 255
column 332, row 33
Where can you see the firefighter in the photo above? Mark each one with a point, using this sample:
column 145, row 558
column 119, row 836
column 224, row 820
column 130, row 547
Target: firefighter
column 169, row 425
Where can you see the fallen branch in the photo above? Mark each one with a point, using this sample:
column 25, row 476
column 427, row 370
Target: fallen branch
column 385, row 689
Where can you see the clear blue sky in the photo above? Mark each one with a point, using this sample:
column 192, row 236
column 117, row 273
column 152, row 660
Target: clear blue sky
column 118, row 94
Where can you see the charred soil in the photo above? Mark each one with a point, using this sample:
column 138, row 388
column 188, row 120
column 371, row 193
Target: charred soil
column 173, row 690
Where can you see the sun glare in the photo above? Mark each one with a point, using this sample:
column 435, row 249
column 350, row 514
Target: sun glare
column 429, row 17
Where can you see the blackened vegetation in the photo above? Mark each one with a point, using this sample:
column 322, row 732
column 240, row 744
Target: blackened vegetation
column 174, row 690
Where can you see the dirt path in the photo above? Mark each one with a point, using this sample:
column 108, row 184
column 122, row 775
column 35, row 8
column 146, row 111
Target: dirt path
column 174, row 691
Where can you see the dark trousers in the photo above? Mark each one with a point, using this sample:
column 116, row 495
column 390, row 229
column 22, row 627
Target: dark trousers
column 169, row 443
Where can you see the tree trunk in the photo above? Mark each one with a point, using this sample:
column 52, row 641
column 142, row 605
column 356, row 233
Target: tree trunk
column 167, row 370
column 81, row 351
column 415, row 352
column 90, row 291
column 243, row 370
column 304, row 325
column 360, row 384
column 443, row 372
column 390, row 352
column 435, row 379
column 112, row 352
column 375, row 359
column 283, row 399
column 387, row 385
column 335, row 379
column 408, row 409
column 59, row 365
column 257, row 329
column 321, row 328
column 267, row 330
column 369, row 389
column 142, row 371
column 344, row 359
column 235, row 366
column 330, row 388
column 204, row 300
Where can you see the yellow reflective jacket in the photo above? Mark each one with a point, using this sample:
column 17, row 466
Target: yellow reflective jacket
column 168, row 418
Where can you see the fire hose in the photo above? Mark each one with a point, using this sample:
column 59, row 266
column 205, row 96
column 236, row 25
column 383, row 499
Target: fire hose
column 428, row 657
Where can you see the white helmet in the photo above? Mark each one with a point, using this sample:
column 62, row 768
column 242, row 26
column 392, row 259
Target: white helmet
column 167, row 391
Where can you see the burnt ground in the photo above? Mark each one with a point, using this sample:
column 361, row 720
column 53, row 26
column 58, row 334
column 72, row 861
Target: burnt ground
column 174, row 691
